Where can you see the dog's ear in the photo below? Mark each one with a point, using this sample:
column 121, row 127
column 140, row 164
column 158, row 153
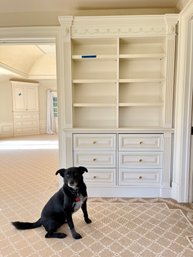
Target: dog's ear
column 82, row 169
column 61, row 171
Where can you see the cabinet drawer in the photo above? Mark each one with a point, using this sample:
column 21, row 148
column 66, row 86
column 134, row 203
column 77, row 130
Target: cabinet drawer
column 142, row 177
column 140, row 160
column 100, row 176
column 94, row 141
column 140, row 142
column 94, row 159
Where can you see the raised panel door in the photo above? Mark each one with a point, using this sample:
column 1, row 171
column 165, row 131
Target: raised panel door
column 19, row 95
column 31, row 98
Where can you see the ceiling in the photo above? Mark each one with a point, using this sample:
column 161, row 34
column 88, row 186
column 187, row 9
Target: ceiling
column 28, row 61
column 10, row 6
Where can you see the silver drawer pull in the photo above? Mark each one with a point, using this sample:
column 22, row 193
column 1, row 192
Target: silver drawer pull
column 140, row 177
column 94, row 177
column 141, row 142
column 94, row 159
column 94, row 142
column 140, row 160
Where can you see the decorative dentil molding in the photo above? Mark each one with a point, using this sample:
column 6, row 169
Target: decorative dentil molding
column 106, row 26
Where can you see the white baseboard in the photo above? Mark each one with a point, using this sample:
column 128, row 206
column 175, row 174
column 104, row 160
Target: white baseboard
column 43, row 127
column 175, row 191
column 128, row 192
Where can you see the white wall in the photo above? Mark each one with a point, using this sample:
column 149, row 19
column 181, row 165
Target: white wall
column 6, row 118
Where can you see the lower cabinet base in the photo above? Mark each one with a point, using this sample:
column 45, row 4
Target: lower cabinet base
column 122, row 163
column 142, row 192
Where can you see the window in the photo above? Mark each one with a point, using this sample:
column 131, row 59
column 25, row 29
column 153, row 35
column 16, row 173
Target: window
column 55, row 106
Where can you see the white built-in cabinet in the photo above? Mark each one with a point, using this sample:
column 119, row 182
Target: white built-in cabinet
column 25, row 108
column 118, row 82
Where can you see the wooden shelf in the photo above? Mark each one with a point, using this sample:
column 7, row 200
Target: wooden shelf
column 94, row 105
column 95, row 57
column 140, row 104
column 142, row 56
column 142, row 77
column 95, row 81
column 133, row 80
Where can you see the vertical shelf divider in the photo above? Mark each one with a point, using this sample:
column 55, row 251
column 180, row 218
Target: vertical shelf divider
column 117, row 85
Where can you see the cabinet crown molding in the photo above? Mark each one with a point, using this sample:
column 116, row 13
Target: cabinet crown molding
column 130, row 25
column 65, row 20
column 22, row 82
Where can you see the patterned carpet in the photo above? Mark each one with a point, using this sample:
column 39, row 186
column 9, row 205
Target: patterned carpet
column 120, row 226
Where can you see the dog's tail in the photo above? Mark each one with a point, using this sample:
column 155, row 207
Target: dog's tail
column 27, row 225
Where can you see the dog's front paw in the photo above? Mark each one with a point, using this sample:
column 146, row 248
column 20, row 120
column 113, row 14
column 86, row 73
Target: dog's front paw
column 77, row 236
column 88, row 221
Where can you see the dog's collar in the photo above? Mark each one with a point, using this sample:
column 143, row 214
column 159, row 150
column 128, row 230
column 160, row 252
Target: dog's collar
column 73, row 192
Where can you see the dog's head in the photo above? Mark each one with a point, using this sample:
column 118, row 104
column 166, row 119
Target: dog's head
column 73, row 176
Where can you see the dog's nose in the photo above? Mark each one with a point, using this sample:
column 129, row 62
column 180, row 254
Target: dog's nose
column 71, row 183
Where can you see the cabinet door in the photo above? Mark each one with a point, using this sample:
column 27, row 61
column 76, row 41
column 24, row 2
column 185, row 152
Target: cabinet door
column 32, row 98
column 19, row 95
column 25, row 98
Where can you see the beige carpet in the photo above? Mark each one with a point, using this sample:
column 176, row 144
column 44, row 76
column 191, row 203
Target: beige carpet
column 120, row 227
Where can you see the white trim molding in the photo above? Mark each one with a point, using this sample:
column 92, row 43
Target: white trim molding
column 28, row 35
column 180, row 183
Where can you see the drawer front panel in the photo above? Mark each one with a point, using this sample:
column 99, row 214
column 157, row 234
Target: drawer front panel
column 94, row 141
column 140, row 142
column 142, row 177
column 94, row 159
column 100, row 176
column 140, row 160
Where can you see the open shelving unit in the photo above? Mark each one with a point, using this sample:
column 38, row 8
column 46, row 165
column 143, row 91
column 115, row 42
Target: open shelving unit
column 118, row 77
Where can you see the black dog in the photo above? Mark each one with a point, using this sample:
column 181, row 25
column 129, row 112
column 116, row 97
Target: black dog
column 62, row 204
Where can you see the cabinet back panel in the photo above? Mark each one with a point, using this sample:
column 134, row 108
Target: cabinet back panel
column 142, row 45
column 94, row 69
column 88, row 93
column 140, row 117
column 93, row 46
column 129, row 90
column 127, row 67
column 91, row 117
